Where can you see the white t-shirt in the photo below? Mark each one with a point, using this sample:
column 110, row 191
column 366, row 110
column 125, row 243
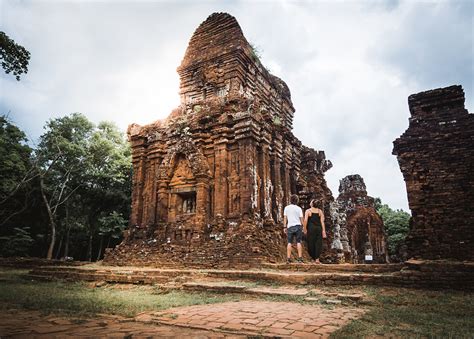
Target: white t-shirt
column 293, row 214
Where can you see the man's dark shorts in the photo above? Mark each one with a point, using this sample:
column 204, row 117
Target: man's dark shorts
column 295, row 231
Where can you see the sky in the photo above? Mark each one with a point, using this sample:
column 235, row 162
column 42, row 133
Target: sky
column 350, row 67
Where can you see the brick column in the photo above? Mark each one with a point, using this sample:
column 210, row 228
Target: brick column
column 221, row 186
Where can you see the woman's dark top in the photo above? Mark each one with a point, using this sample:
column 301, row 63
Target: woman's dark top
column 315, row 220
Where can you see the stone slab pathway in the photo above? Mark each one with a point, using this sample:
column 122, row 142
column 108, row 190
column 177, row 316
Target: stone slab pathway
column 32, row 324
column 258, row 318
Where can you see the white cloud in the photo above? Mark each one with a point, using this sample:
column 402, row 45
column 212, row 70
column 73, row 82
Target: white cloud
column 350, row 67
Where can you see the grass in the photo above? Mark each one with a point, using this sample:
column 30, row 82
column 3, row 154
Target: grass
column 11, row 274
column 396, row 312
column 78, row 299
column 411, row 313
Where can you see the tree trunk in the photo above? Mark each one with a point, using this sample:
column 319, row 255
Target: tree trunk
column 58, row 251
column 100, row 247
column 108, row 242
column 89, row 249
column 52, row 224
column 68, row 229
column 66, row 244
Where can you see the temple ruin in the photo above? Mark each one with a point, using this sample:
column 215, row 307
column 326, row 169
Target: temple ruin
column 359, row 229
column 210, row 182
column 436, row 157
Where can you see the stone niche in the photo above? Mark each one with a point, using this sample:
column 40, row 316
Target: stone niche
column 210, row 182
column 359, row 228
column 436, row 157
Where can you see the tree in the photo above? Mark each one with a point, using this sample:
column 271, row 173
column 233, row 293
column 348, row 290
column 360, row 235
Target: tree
column 109, row 178
column 84, row 174
column 396, row 223
column 72, row 193
column 60, row 163
column 15, row 58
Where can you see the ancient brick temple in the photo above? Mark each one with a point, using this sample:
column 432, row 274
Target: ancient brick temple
column 210, row 182
column 359, row 229
column 436, row 156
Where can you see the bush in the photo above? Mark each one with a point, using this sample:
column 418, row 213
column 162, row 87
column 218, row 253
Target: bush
column 16, row 244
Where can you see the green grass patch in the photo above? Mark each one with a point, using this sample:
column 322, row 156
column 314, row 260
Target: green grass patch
column 12, row 274
column 414, row 313
column 78, row 299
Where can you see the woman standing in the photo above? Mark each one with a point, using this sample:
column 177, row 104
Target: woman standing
column 313, row 227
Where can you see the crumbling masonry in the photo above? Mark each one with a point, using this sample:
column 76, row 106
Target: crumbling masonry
column 210, row 182
column 436, row 157
column 358, row 228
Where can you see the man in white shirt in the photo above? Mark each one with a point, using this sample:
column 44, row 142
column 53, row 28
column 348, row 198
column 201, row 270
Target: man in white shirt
column 293, row 226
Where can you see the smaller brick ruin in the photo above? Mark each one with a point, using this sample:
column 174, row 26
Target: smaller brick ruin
column 359, row 229
column 436, row 157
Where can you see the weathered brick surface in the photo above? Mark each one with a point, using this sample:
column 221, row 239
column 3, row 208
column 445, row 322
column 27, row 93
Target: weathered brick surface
column 436, row 157
column 413, row 273
column 210, row 182
column 262, row 318
column 361, row 229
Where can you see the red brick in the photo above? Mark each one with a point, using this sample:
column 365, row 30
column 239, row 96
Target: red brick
column 297, row 326
column 279, row 325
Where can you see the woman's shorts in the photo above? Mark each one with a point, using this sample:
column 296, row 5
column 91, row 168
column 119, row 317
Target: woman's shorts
column 295, row 231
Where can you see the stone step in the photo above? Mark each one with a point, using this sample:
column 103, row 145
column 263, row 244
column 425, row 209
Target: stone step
column 293, row 267
column 311, row 267
column 225, row 287
column 414, row 274
column 281, row 291
column 152, row 276
column 219, row 287
column 288, row 291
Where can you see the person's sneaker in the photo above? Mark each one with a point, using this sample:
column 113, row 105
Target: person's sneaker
column 288, row 260
column 300, row 260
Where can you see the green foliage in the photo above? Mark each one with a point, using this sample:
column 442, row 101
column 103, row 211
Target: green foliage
column 109, row 161
column 63, row 148
column 255, row 51
column 15, row 175
column 112, row 225
column 15, row 58
column 89, row 167
column 16, row 244
column 397, row 225
column 276, row 120
column 256, row 55
column 84, row 172
column 15, row 155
